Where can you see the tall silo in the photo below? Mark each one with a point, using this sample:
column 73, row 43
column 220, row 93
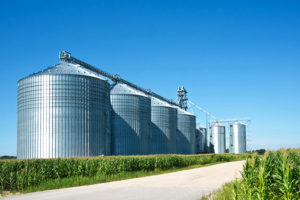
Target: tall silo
column 217, row 138
column 186, row 132
column 163, row 127
column 130, row 121
column 63, row 111
column 201, row 139
column 237, row 138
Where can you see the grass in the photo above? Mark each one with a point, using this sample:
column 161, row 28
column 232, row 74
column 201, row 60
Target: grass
column 226, row 192
column 37, row 175
column 272, row 176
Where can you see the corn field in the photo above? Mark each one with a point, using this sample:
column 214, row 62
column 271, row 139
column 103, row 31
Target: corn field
column 17, row 175
column 276, row 175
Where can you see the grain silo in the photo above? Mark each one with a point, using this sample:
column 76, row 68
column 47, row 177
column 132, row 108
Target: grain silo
column 130, row 120
column 237, row 138
column 163, row 127
column 63, row 111
column 201, row 139
column 217, row 138
column 186, row 130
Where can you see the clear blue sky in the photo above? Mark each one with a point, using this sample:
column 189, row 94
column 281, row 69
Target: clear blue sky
column 236, row 58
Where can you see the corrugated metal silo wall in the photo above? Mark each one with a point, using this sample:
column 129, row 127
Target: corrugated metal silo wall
column 218, row 142
column 62, row 116
column 163, row 130
column 204, row 139
column 131, row 118
column 231, row 148
column 200, row 140
column 186, row 138
column 237, row 138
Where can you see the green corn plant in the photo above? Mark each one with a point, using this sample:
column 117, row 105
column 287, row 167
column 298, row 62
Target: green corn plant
column 261, row 189
column 283, row 177
column 274, row 176
column 21, row 174
column 1, row 177
column 288, row 183
column 235, row 195
column 247, row 175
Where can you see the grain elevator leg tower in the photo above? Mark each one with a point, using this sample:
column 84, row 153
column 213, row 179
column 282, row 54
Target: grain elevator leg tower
column 182, row 98
column 186, row 125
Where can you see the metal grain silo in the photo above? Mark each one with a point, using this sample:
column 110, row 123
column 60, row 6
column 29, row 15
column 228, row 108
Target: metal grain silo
column 203, row 130
column 186, row 132
column 63, row 111
column 237, row 138
column 201, row 139
column 131, row 118
column 217, row 138
column 163, row 127
column 198, row 141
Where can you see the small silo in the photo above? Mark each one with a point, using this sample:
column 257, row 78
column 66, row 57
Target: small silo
column 163, row 127
column 130, row 121
column 217, row 138
column 198, row 141
column 237, row 138
column 203, row 130
column 186, row 132
column 201, row 139
column 63, row 111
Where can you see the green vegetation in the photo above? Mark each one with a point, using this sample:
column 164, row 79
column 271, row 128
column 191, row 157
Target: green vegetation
column 225, row 193
column 42, row 174
column 272, row 176
column 81, row 180
column 7, row 157
column 259, row 151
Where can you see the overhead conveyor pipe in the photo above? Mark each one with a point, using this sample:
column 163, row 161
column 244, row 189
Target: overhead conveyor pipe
column 201, row 109
column 66, row 56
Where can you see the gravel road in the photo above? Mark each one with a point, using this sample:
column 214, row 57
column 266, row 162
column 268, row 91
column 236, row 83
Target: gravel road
column 182, row 185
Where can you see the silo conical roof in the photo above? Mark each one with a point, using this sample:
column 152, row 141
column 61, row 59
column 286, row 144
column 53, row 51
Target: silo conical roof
column 121, row 88
column 184, row 112
column 67, row 68
column 218, row 124
column 238, row 123
column 157, row 102
column 200, row 126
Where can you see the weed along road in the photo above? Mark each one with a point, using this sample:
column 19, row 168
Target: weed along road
column 182, row 185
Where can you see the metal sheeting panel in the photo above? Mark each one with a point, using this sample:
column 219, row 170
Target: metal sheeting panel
column 237, row 138
column 163, row 129
column 186, row 130
column 217, row 140
column 198, row 141
column 131, row 118
column 201, row 140
column 204, row 139
column 61, row 115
